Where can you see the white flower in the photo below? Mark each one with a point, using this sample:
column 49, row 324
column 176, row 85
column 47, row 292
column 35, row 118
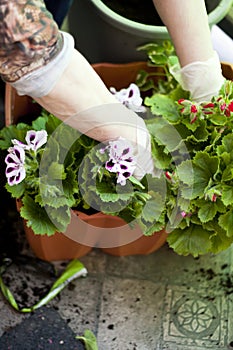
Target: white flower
column 121, row 159
column 129, row 97
column 15, row 170
column 36, row 139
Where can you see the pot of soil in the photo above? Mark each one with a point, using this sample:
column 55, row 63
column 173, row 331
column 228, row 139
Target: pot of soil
column 111, row 30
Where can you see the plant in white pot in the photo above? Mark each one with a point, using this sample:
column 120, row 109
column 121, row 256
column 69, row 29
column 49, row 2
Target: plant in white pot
column 119, row 27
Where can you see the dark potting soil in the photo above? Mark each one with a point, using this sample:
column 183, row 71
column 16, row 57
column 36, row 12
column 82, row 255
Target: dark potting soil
column 141, row 11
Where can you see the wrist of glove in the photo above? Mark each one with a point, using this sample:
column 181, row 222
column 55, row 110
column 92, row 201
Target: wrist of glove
column 202, row 79
column 41, row 81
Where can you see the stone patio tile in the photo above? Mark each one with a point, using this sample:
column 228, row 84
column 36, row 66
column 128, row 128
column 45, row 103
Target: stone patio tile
column 79, row 302
column 131, row 313
column 95, row 261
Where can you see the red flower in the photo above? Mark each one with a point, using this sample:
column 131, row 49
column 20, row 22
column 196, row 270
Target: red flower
column 223, row 107
column 168, row 175
column 230, row 106
column 180, row 101
column 209, row 105
column 193, row 109
column 214, row 198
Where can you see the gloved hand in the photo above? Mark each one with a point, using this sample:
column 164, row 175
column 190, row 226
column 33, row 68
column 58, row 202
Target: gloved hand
column 201, row 70
column 202, row 79
column 40, row 61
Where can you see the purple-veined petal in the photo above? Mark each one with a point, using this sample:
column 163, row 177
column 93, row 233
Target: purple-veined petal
column 112, row 167
column 120, row 149
column 16, row 155
column 19, row 143
column 121, row 159
column 16, row 174
column 36, row 139
column 130, row 97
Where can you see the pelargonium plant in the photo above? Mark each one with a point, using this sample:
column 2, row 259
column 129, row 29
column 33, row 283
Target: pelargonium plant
column 192, row 148
column 53, row 168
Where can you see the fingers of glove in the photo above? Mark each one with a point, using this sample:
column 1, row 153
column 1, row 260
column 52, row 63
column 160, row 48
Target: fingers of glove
column 202, row 79
column 111, row 121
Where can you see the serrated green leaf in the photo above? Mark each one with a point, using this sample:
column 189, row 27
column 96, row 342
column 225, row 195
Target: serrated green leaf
column 56, row 171
column 227, row 195
column 16, row 191
column 60, row 217
column 36, row 217
column 219, row 240
column 218, row 119
column 191, row 241
column 12, row 132
column 227, row 174
column 40, row 123
column 164, row 106
column 207, row 212
column 153, row 208
column 197, row 173
column 226, row 222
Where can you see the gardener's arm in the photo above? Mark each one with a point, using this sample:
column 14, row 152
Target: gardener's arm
column 41, row 62
column 187, row 23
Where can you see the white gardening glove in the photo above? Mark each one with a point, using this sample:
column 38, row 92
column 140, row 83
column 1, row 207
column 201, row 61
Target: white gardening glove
column 69, row 88
column 202, row 79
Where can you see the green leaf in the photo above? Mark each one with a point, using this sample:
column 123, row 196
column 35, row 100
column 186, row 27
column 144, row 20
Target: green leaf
column 40, row 123
column 167, row 135
column 218, row 119
column 36, row 217
column 158, row 59
column 226, row 222
column 89, row 340
column 227, row 143
column 16, row 190
column 207, row 211
column 164, row 106
column 59, row 216
column 227, row 195
column 227, row 174
column 12, row 132
column 198, row 173
column 52, row 122
column 219, row 240
column 136, row 182
column 194, row 240
column 56, row 171
column 153, row 208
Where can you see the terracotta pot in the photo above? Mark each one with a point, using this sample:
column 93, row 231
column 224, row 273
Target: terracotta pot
column 55, row 247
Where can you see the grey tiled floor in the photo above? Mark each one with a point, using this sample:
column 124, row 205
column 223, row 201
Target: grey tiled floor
column 154, row 302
